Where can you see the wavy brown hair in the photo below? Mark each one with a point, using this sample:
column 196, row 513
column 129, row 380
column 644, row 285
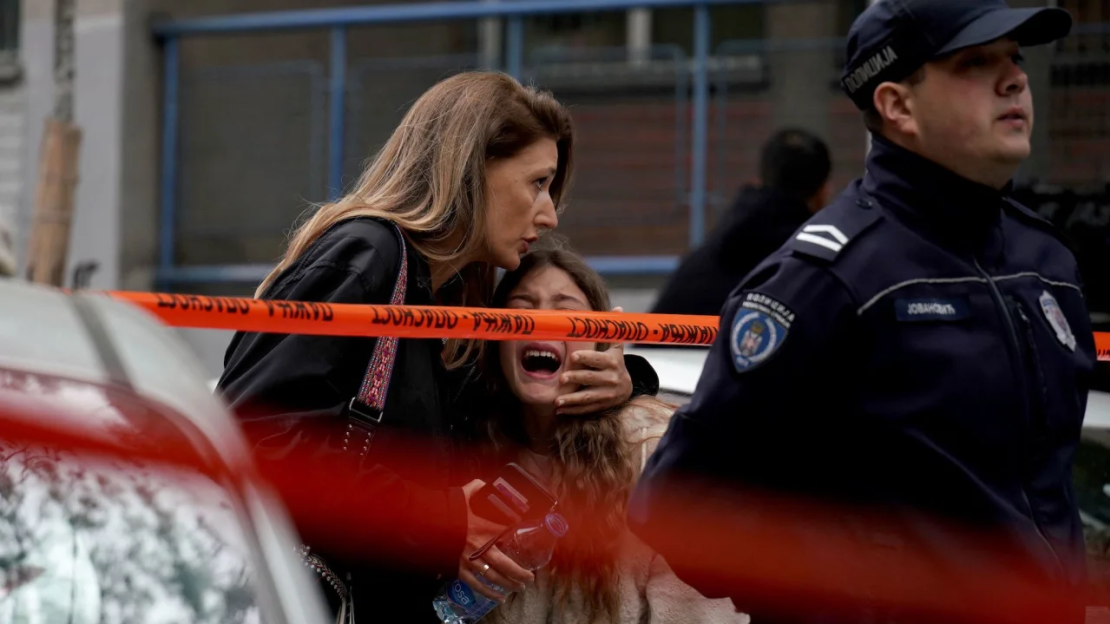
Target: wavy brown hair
column 429, row 178
column 595, row 463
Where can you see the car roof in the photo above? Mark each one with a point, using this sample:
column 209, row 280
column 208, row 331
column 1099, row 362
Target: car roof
column 679, row 370
column 48, row 331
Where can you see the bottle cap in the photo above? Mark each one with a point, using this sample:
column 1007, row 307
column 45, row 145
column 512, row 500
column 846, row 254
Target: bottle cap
column 557, row 524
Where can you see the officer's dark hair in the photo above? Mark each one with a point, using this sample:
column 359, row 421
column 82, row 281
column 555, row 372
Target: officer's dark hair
column 872, row 120
column 796, row 162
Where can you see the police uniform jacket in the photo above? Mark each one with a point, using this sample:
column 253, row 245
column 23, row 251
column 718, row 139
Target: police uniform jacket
column 921, row 346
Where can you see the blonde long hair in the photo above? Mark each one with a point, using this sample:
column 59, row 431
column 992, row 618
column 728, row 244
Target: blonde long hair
column 595, row 462
column 429, row 178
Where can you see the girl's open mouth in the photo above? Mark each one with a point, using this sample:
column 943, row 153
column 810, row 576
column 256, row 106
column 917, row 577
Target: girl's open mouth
column 542, row 361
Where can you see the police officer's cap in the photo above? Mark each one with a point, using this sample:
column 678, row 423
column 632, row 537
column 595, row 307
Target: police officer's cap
column 893, row 38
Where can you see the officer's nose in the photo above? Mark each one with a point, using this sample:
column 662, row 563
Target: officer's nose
column 1014, row 81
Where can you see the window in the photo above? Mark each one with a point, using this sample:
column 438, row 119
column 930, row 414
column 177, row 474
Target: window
column 9, row 25
column 727, row 22
column 575, row 31
column 9, row 40
column 1092, row 493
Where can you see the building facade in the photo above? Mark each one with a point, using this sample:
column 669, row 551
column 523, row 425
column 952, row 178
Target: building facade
column 254, row 120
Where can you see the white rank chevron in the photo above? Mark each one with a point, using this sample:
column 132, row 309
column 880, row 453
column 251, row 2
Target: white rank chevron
column 810, row 234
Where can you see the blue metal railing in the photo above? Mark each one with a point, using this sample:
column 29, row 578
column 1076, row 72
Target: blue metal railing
column 417, row 12
column 338, row 20
column 701, row 124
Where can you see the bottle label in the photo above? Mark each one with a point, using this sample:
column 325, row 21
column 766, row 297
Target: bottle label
column 460, row 594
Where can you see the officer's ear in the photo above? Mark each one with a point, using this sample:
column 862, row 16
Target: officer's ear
column 894, row 103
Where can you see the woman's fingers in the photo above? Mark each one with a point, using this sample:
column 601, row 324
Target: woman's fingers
column 467, row 576
column 612, row 359
column 588, row 402
column 515, row 577
column 590, row 378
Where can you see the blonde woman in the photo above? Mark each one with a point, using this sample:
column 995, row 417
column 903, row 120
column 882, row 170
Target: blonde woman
column 476, row 171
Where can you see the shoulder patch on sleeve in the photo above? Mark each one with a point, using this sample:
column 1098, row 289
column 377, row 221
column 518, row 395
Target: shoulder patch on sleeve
column 826, row 235
column 759, row 329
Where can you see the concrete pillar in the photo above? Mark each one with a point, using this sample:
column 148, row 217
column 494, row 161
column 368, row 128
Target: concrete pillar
column 140, row 146
column 490, row 41
column 801, row 76
column 98, row 95
column 639, row 35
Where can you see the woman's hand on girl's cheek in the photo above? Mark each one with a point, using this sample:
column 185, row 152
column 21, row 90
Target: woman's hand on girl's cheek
column 602, row 378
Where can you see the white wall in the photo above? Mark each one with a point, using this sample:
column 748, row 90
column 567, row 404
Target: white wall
column 97, row 100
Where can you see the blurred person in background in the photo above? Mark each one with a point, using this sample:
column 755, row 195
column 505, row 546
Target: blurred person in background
column 476, row 171
column 921, row 349
column 600, row 572
column 794, row 173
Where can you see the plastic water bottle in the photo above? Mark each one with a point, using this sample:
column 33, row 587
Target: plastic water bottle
column 530, row 545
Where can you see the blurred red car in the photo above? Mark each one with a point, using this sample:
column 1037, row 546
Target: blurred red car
column 154, row 521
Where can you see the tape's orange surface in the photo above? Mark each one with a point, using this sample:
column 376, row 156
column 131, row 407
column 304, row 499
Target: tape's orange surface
column 291, row 317
column 294, row 317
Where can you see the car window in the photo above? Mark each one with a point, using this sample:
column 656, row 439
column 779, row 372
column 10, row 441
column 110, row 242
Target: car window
column 1091, row 478
column 112, row 541
column 115, row 540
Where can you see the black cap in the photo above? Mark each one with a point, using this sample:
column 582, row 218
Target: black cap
column 893, row 38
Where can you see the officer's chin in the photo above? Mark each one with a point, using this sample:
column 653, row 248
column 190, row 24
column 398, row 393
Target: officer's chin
column 1014, row 146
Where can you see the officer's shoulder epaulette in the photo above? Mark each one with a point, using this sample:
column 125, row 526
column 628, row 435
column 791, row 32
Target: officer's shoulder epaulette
column 1027, row 216
column 826, row 235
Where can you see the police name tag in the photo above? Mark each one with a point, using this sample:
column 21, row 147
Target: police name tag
column 758, row 330
column 932, row 309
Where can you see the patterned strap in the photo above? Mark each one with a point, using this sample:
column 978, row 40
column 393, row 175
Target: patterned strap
column 366, row 410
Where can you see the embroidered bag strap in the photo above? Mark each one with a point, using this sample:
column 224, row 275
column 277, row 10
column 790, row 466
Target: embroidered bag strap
column 365, row 411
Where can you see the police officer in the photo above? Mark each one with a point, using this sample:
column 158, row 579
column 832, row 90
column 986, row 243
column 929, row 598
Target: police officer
column 922, row 345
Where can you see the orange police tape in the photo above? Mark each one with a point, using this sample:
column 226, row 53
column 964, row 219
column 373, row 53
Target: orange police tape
column 299, row 317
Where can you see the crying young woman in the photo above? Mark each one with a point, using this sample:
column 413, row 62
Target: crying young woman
column 600, row 572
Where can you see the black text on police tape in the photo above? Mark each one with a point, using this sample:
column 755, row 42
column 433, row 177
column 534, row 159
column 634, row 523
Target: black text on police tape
column 504, row 323
column 688, row 334
column 437, row 319
column 608, row 331
column 200, row 303
column 301, row 310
